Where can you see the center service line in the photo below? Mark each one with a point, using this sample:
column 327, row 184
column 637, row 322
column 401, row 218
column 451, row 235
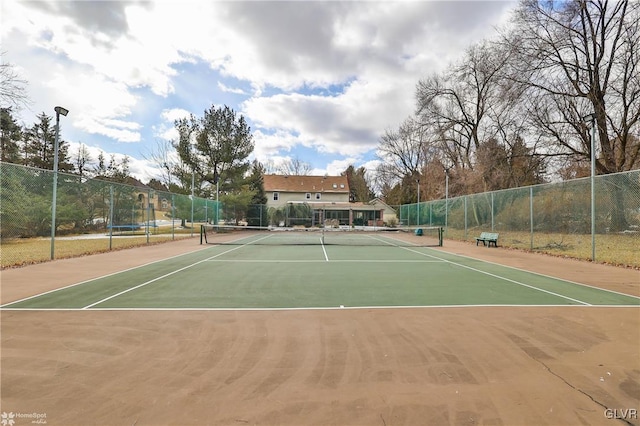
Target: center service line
column 326, row 258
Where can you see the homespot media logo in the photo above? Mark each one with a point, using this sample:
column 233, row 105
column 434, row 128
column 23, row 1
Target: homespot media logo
column 11, row 418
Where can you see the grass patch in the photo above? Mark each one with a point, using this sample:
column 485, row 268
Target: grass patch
column 614, row 249
column 27, row 251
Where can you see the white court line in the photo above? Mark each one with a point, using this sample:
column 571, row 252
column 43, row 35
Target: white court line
column 158, row 278
column 403, row 245
column 326, row 257
column 549, row 276
column 502, row 278
column 324, row 261
column 101, row 277
column 521, row 270
column 167, row 275
column 318, row 308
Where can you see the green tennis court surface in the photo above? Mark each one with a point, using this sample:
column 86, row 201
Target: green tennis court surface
column 252, row 276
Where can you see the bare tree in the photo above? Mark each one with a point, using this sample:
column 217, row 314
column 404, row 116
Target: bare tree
column 165, row 158
column 402, row 152
column 13, row 92
column 294, row 167
column 577, row 58
column 456, row 103
column 81, row 159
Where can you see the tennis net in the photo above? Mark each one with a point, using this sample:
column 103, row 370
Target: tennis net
column 348, row 236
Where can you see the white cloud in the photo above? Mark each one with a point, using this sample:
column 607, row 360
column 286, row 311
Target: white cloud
column 173, row 114
column 269, row 145
column 166, row 129
column 338, row 166
column 114, row 129
column 329, row 76
column 142, row 169
column 346, row 124
column 225, row 88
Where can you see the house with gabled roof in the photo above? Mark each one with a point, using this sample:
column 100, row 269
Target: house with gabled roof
column 283, row 189
column 327, row 198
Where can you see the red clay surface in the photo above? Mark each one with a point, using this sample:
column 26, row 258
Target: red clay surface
column 430, row 366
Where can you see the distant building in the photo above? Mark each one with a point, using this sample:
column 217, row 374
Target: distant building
column 141, row 204
column 327, row 198
column 283, row 189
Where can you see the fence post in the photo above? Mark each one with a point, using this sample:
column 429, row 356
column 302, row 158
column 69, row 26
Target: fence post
column 173, row 217
column 493, row 225
column 593, row 188
column 466, row 231
column 148, row 214
column 531, row 214
column 110, row 217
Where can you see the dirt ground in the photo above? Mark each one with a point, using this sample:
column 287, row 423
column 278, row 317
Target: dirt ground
column 430, row 366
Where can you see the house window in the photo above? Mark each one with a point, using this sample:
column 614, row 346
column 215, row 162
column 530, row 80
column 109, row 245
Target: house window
column 307, row 195
column 318, row 195
column 165, row 204
column 276, row 196
column 342, row 185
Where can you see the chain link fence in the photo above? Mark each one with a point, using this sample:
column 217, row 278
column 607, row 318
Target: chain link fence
column 91, row 215
column 554, row 218
column 98, row 215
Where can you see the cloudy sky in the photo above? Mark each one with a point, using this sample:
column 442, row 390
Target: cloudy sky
column 317, row 81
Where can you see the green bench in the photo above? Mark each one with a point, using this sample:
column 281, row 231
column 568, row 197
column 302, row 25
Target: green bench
column 487, row 239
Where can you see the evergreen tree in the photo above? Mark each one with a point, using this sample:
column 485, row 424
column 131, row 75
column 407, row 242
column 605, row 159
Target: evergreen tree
column 40, row 146
column 257, row 211
column 10, row 136
column 358, row 187
column 216, row 147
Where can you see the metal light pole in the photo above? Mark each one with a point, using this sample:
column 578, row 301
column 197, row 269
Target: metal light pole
column 193, row 183
column 59, row 111
column 216, row 177
column 217, row 202
column 592, row 118
column 193, row 178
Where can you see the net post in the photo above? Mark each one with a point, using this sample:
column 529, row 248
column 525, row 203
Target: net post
column 440, row 236
column 202, row 231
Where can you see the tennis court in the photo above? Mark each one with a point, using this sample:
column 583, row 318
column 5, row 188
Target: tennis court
column 296, row 270
column 268, row 328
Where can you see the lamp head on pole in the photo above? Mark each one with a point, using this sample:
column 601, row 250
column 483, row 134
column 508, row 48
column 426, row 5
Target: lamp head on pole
column 589, row 117
column 61, row 111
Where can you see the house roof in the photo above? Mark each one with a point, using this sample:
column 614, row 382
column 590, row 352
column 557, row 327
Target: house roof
column 128, row 180
column 379, row 202
column 283, row 183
